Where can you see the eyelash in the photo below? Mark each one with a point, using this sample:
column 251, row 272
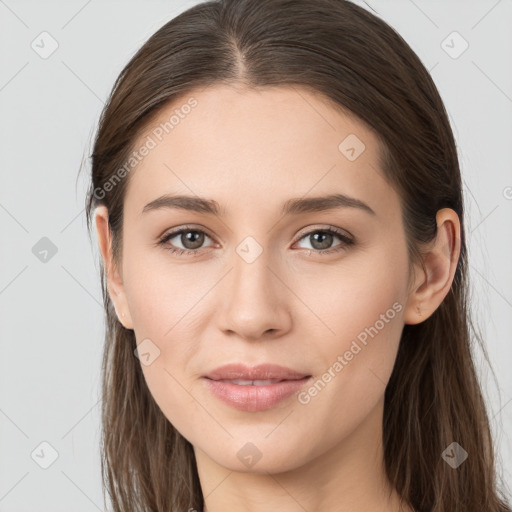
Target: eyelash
column 346, row 241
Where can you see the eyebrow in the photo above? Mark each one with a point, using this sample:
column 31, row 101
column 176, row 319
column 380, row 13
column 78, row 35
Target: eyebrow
column 291, row 206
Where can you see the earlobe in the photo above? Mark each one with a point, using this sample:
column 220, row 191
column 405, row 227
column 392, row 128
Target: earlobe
column 440, row 260
column 114, row 281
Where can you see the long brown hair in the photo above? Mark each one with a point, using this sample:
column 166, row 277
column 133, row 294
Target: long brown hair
column 363, row 66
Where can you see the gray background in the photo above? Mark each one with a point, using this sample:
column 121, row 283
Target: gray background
column 51, row 318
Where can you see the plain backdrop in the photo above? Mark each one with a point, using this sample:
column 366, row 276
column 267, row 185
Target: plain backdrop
column 51, row 314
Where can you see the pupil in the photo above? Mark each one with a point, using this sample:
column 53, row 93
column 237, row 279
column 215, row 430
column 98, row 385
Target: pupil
column 193, row 236
column 323, row 237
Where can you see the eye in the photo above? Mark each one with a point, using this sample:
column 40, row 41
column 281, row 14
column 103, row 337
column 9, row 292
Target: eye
column 192, row 239
column 322, row 239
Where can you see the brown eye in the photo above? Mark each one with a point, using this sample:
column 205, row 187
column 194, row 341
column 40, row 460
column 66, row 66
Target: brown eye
column 321, row 240
column 190, row 239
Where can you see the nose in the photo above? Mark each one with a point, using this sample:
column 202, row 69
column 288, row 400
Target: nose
column 256, row 299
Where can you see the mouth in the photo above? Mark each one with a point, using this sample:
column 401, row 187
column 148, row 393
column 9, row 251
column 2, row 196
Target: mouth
column 254, row 389
column 241, row 382
column 262, row 372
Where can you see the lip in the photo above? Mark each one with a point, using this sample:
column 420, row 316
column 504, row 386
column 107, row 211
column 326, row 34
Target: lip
column 250, row 397
column 260, row 372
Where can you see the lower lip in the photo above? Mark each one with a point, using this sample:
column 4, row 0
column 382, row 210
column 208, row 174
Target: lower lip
column 254, row 398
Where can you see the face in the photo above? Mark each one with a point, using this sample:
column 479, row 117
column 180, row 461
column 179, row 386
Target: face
column 319, row 288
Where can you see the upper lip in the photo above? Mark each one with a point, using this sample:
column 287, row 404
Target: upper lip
column 261, row 372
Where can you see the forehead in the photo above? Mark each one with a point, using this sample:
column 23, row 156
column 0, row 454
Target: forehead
column 230, row 142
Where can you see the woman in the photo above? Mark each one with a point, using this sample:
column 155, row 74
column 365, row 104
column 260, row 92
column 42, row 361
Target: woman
column 243, row 369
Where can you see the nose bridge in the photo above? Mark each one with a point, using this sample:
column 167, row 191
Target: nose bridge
column 254, row 300
column 252, row 277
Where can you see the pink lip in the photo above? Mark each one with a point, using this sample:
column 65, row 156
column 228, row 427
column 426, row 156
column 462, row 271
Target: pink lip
column 254, row 398
column 260, row 372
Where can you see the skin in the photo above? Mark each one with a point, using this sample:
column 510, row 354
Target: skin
column 251, row 150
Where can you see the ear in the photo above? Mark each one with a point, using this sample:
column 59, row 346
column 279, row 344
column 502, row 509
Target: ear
column 114, row 278
column 440, row 258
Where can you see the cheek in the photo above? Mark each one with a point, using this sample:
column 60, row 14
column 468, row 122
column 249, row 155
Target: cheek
column 347, row 298
column 362, row 319
column 167, row 308
column 163, row 296
column 357, row 358
column 173, row 397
